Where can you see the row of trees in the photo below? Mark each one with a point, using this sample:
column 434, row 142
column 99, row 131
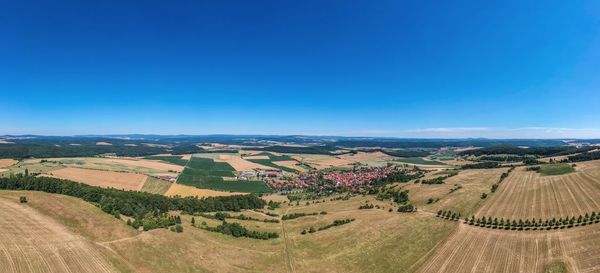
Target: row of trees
column 437, row 180
column 502, row 177
column 300, row 214
column 482, row 165
column 237, row 230
column 131, row 203
column 334, row 224
column 224, row 215
column 583, row 157
column 527, row 224
column 400, row 176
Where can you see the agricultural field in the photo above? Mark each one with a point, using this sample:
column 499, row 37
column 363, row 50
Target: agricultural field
column 5, row 163
column 173, row 159
column 420, row 161
column 347, row 161
column 460, row 193
column 273, row 161
column 104, row 179
column 527, row 194
column 473, row 249
column 156, row 186
column 34, row 237
column 132, row 165
column 184, row 191
column 238, row 163
column 205, row 173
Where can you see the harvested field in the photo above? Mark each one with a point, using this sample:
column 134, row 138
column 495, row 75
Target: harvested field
column 156, row 186
column 7, row 163
column 257, row 157
column 183, row 190
column 292, row 164
column 473, row 249
column 526, row 195
column 150, row 164
column 105, row 179
column 344, row 161
column 33, row 242
column 240, row 164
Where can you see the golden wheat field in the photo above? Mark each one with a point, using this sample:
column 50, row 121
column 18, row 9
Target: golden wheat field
column 105, row 179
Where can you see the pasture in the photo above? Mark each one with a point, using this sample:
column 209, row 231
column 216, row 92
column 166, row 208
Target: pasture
column 460, row 193
column 526, row 194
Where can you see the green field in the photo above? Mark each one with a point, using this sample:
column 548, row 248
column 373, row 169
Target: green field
column 274, row 158
column 205, row 173
column 420, row 161
column 170, row 159
column 556, row 169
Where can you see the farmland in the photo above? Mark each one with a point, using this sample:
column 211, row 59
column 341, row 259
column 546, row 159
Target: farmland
column 105, row 179
column 183, row 190
column 472, row 249
column 205, row 173
column 351, row 188
column 318, row 161
column 525, row 195
column 420, row 161
column 270, row 160
column 34, row 240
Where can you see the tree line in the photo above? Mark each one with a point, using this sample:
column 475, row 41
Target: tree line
column 334, row 224
column 527, row 224
column 224, row 215
column 131, row 203
column 300, row 214
column 539, row 151
column 237, row 230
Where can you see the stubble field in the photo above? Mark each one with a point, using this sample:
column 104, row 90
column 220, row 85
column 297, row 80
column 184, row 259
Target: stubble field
column 527, row 194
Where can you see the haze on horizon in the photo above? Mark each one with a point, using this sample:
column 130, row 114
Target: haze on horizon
column 509, row 69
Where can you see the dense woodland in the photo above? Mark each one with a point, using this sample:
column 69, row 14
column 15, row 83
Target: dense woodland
column 482, row 165
column 539, row 151
column 583, row 157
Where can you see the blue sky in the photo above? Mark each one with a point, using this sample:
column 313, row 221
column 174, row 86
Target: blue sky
column 362, row 68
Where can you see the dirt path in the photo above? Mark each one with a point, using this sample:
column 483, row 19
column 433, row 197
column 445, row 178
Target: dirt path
column 32, row 242
column 286, row 247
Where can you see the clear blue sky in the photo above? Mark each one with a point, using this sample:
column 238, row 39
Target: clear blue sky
column 369, row 68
